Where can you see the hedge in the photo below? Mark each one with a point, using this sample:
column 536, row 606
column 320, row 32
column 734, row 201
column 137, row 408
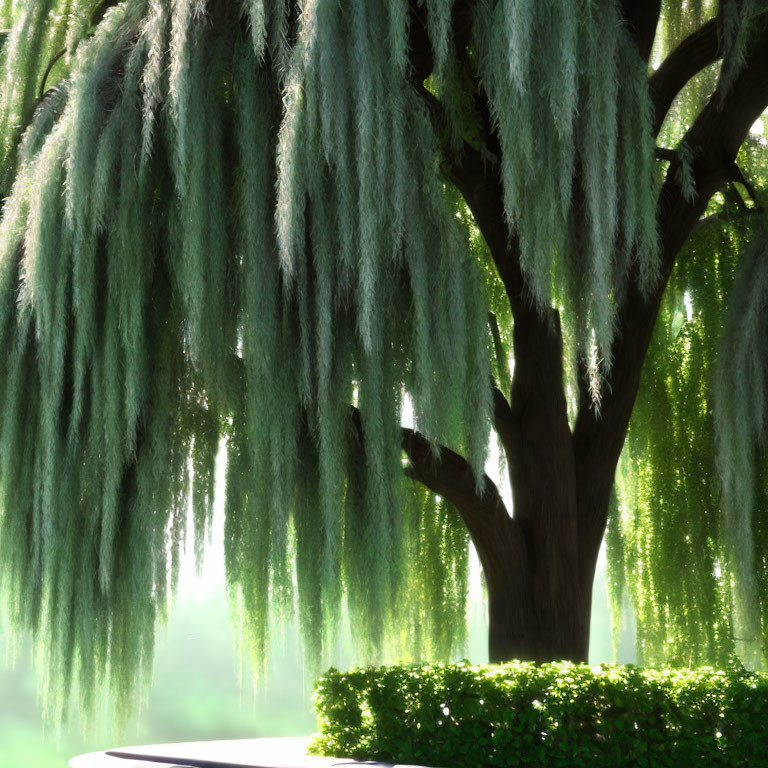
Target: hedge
column 562, row 714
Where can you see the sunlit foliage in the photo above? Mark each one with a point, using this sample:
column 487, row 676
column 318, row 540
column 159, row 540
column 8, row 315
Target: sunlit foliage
column 687, row 540
column 568, row 93
column 666, row 533
column 549, row 714
column 205, row 239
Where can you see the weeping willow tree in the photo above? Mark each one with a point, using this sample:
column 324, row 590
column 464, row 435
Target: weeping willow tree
column 283, row 225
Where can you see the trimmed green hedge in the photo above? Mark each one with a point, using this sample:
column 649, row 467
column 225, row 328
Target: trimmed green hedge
column 522, row 714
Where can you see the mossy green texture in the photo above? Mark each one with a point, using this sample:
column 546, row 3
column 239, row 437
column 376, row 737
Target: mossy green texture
column 559, row 714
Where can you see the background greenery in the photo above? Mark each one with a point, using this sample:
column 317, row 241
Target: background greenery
column 196, row 694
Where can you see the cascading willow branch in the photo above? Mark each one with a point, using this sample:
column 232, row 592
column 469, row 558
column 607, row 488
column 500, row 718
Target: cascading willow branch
column 739, row 393
column 577, row 148
column 683, row 546
column 205, row 238
column 664, row 537
column 228, row 221
column 687, row 540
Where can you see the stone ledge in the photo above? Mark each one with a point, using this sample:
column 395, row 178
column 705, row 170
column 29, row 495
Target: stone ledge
column 237, row 753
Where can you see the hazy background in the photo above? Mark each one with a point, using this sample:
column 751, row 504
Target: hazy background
column 196, row 693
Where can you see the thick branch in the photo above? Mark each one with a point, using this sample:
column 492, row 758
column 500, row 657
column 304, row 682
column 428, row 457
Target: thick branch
column 714, row 141
column 695, row 53
column 449, row 475
column 642, row 17
column 497, row 537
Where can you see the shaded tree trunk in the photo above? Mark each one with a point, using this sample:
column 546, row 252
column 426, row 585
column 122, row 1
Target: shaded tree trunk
column 540, row 589
column 528, row 619
column 538, row 563
column 540, row 634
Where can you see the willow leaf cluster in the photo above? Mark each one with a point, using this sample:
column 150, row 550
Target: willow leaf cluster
column 205, row 239
column 740, row 421
column 687, row 538
column 665, row 535
column 569, row 96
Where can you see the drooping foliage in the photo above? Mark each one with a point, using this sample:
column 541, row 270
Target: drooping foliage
column 664, row 539
column 687, row 538
column 569, row 95
column 740, row 422
column 198, row 245
column 228, row 222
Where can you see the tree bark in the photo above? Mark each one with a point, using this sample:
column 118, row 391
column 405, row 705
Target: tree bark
column 537, row 610
column 555, row 587
column 540, row 634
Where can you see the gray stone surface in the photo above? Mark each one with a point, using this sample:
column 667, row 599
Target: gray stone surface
column 240, row 753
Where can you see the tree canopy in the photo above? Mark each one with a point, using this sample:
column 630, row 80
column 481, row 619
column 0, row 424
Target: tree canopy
column 248, row 222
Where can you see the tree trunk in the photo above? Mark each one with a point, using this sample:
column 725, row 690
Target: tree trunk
column 539, row 591
column 540, row 602
column 539, row 564
column 546, row 632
